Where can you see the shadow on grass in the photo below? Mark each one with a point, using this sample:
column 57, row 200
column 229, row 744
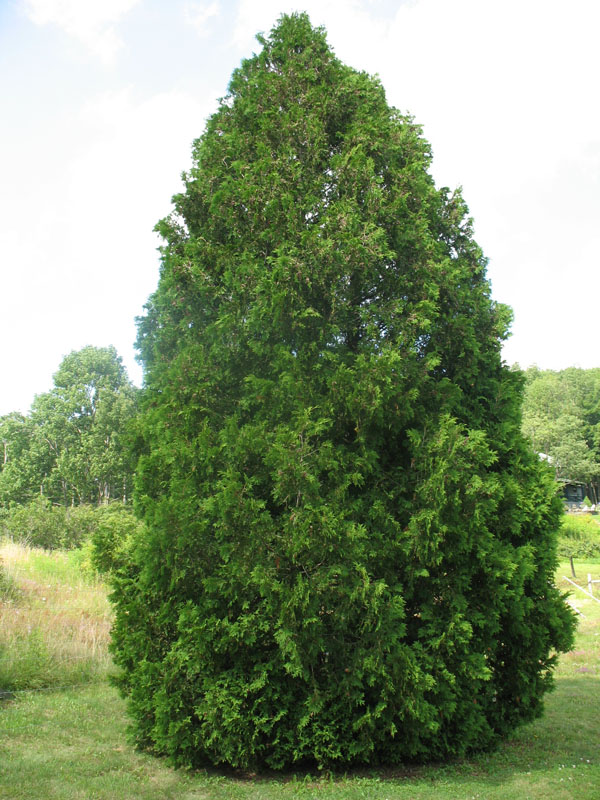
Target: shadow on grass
column 82, row 734
column 565, row 735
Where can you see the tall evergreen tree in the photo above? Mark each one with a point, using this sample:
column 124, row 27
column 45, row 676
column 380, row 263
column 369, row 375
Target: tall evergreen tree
column 350, row 547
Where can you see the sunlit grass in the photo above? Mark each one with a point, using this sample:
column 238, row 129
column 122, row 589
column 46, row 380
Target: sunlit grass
column 73, row 743
column 584, row 658
column 55, row 624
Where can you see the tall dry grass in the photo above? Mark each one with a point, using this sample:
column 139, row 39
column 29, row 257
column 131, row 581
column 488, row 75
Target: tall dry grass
column 54, row 620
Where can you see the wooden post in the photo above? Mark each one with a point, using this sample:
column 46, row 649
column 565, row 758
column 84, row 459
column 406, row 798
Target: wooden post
column 572, row 567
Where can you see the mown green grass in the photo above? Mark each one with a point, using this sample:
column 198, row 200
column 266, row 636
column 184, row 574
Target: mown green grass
column 72, row 744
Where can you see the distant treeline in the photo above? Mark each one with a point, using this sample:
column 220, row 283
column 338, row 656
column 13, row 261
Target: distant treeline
column 561, row 418
column 73, row 447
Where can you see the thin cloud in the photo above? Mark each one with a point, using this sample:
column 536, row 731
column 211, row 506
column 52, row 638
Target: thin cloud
column 93, row 22
column 198, row 15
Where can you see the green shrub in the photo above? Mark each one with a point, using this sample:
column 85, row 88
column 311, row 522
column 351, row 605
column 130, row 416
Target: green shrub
column 81, row 560
column 38, row 524
column 579, row 536
column 342, row 561
column 573, row 526
column 116, row 525
column 80, row 523
column 41, row 524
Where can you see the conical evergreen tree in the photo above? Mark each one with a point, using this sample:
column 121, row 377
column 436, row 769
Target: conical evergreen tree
column 350, row 548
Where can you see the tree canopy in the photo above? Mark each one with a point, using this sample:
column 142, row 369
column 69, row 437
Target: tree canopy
column 350, row 545
column 72, row 448
column 561, row 418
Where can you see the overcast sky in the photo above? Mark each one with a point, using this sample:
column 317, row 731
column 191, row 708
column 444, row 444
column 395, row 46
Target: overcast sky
column 101, row 100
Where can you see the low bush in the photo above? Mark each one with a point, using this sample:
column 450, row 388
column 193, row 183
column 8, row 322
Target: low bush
column 51, row 527
column 115, row 527
column 80, row 524
column 579, row 537
column 38, row 524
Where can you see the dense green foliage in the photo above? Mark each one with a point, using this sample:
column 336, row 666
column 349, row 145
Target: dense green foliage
column 111, row 538
column 579, row 537
column 561, row 418
column 350, row 545
column 72, row 447
column 107, row 528
column 40, row 524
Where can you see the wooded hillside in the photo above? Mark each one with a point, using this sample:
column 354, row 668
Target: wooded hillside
column 561, row 418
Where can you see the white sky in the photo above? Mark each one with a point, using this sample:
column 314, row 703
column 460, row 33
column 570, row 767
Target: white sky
column 101, row 99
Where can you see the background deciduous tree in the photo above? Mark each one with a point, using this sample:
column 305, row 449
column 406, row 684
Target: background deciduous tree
column 19, row 467
column 561, row 418
column 72, row 447
column 349, row 544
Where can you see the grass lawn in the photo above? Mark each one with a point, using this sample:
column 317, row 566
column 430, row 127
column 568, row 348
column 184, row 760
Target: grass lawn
column 71, row 744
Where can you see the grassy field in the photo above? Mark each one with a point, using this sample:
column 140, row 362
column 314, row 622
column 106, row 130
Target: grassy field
column 71, row 743
column 54, row 620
